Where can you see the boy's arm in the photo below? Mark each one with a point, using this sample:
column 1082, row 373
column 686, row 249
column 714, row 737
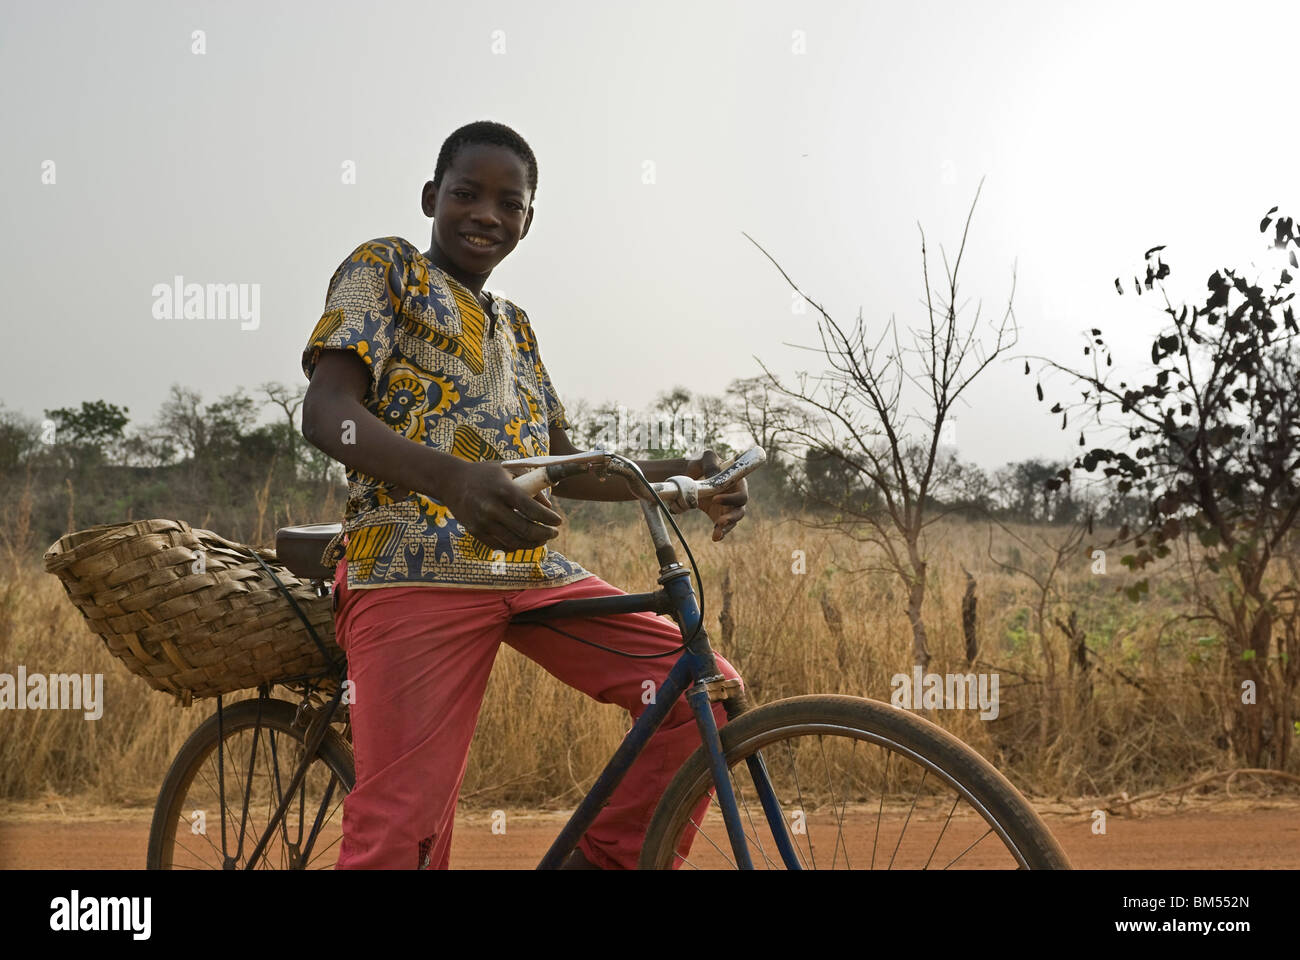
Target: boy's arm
column 482, row 496
column 725, row 509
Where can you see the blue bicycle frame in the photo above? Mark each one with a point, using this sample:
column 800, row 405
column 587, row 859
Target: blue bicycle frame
column 696, row 675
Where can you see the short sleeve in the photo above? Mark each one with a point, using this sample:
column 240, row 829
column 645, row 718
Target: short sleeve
column 361, row 307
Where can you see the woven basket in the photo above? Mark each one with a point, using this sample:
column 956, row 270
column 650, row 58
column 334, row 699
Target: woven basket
column 192, row 634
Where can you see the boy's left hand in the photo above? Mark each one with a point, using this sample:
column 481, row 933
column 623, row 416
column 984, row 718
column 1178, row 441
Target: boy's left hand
column 725, row 509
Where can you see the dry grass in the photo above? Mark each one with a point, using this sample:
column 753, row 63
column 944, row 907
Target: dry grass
column 1152, row 718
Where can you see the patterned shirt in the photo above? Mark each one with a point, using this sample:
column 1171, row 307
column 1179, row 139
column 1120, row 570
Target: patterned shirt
column 445, row 375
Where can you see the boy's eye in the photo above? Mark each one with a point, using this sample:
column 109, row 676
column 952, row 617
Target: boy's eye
column 463, row 194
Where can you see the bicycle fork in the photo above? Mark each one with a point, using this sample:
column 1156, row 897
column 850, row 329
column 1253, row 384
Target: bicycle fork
column 701, row 696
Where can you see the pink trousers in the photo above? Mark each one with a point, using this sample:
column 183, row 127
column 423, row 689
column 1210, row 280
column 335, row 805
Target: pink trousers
column 419, row 660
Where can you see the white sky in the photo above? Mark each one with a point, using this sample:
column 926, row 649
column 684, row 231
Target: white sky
column 1102, row 128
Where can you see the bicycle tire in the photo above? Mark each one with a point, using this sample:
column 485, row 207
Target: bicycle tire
column 277, row 715
column 1004, row 808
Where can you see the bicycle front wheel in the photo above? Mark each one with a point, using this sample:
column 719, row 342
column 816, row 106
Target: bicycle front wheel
column 211, row 816
column 855, row 784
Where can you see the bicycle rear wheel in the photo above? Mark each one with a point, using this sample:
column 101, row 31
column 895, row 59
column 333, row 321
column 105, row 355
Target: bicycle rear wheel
column 860, row 785
column 207, row 819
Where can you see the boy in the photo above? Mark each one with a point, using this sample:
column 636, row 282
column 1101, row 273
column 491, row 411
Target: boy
column 420, row 384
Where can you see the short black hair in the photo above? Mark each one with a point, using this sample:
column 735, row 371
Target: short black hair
column 492, row 134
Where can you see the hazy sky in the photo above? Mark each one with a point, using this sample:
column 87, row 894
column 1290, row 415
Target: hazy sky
column 1102, row 129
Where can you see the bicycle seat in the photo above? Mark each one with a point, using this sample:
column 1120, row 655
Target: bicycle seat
column 299, row 549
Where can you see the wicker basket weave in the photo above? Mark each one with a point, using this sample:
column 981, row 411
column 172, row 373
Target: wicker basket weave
column 192, row 634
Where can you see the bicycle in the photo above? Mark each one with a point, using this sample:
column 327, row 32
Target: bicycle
column 767, row 816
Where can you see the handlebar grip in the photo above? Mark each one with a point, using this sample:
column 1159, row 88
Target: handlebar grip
column 733, row 470
column 539, row 478
column 534, row 481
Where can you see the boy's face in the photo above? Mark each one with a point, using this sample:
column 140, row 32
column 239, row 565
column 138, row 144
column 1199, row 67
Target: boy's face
column 483, row 192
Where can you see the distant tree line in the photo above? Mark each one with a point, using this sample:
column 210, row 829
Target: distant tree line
column 241, row 459
column 211, row 464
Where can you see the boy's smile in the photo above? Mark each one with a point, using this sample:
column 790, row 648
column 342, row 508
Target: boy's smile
column 480, row 210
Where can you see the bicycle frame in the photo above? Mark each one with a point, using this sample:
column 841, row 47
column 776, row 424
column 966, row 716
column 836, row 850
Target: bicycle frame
column 695, row 675
column 692, row 672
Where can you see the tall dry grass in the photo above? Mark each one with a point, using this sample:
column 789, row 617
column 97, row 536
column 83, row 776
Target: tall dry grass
column 1152, row 716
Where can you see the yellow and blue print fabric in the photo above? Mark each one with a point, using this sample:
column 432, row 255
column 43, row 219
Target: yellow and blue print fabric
column 439, row 379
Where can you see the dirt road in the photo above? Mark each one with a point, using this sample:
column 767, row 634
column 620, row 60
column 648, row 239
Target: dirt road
column 1238, row 834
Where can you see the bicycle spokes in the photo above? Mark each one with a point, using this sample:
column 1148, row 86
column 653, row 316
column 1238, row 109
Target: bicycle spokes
column 258, row 767
column 845, row 803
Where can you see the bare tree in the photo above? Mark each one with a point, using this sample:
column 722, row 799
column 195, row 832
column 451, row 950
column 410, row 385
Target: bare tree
column 765, row 415
column 210, row 435
column 712, row 417
column 181, row 421
column 288, row 435
column 662, row 429
column 673, row 402
column 288, row 400
column 858, row 417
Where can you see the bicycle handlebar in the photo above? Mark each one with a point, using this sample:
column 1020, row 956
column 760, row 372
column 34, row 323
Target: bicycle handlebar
column 686, row 492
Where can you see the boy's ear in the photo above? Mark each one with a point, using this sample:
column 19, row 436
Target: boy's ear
column 528, row 221
column 429, row 199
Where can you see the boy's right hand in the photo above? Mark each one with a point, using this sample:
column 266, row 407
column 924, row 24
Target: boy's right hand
column 485, row 499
